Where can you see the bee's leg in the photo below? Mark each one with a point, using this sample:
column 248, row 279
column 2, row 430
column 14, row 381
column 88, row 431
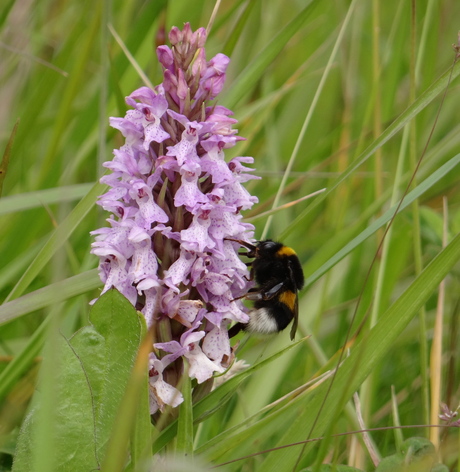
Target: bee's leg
column 249, row 246
column 255, row 294
column 234, row 330
column 251, row 273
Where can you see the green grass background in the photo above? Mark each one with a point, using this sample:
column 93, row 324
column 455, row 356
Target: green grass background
column 344, row 95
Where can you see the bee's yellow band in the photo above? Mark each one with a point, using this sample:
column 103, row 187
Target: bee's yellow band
column 285, row 251
column 288, row 298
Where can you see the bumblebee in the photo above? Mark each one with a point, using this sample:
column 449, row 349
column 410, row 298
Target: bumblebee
column 279, row 276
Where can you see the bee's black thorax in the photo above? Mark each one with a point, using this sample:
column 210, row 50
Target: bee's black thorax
column 274, row 261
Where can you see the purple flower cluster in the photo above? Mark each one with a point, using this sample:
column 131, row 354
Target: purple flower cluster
column 173, row 200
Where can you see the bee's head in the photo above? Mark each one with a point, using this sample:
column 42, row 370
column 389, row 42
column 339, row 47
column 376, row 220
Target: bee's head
column 268, row 248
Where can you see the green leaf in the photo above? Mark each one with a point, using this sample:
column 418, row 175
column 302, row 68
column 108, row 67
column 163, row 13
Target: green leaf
column 417, row 455
column 439, row 468
column 185, row 422
column 133, row 415
column 257, row 67
column 107, row 350
column 237, row 30
column 26, row 201
column 72, row 423
column 69, row 94
column 89, row 376
column 7, row 6
column 50, row 295
column 57, row 239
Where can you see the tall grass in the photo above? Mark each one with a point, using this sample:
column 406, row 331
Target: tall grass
column 337, row 95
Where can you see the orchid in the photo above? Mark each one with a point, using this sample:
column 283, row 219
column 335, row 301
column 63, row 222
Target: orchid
column 174, row 200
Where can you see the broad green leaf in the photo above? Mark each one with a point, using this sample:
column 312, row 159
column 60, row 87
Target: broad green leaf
column 107, row 350
column 90, row 375
column 417, row 455
column 132, row 424
column 73, row 429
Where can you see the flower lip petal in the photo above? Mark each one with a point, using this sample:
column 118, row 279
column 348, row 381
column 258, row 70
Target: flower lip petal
column 216, row 344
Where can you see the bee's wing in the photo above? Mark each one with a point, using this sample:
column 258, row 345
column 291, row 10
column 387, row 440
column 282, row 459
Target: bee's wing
column 295, row 321
column 264, row 293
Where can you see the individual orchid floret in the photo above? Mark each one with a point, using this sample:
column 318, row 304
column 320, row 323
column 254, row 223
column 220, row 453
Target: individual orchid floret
column 175, row 200
column 161, row 393
column 201, row 367
column 213, row 79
